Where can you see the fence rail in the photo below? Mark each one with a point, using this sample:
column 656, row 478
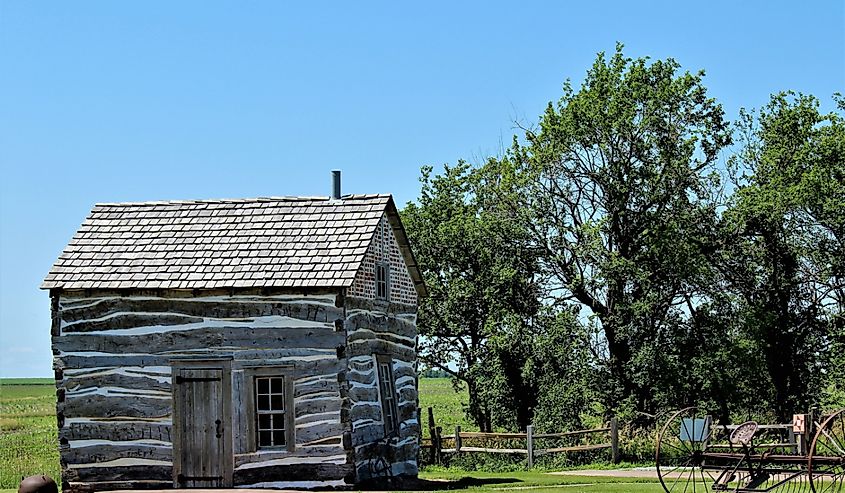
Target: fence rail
column 531, row 451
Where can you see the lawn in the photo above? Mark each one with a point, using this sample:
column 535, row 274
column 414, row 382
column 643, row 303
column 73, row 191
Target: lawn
column 448, row 407
column 476, row 481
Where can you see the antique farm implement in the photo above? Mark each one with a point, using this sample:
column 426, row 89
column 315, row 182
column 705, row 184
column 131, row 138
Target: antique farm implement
column 694, row 454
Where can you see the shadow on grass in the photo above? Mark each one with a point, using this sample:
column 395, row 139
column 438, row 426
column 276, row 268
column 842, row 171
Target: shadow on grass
column 417, row 484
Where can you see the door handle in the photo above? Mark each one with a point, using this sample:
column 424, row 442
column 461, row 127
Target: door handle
column 219, row 428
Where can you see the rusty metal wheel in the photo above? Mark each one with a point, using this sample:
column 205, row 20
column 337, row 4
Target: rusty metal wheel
column 826, row 465
column 680, row 445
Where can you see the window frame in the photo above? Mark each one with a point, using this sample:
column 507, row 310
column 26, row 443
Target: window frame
column 251, row 375
column 391, row 427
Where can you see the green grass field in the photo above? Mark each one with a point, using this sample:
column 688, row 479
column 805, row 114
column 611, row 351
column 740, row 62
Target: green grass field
column 448, row 405
column 28, row 443
column 26, row 381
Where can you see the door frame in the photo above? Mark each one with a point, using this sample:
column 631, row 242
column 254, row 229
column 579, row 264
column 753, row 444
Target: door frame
column 223, row 363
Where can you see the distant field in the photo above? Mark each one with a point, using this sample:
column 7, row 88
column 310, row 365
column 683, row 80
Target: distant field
column 28, row 442
column 447, row 404
column 26, row 381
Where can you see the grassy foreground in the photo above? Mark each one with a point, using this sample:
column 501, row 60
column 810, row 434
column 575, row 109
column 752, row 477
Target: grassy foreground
column 536, row 482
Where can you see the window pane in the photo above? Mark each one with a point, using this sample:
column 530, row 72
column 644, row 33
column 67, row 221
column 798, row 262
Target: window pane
column 388, row 417
column 263, row 403
column 384, row 379
column 264, row 439
column 278, row 421
column 264, row 421
column 278, row 402
column 263, row 385
column 278, row 385
column 279, row 437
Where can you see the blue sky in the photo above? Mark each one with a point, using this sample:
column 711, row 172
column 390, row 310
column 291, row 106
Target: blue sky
column 119, row 101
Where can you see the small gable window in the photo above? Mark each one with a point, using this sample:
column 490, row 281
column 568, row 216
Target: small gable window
column 382, row 283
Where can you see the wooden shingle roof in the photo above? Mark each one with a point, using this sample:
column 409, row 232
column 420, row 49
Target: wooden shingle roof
column 204, row 244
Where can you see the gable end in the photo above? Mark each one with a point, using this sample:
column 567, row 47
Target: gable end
column 384, row 250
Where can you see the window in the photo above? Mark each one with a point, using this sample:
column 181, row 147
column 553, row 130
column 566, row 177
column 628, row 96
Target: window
column 270, row 412
column 382, row 287
column 387, row 389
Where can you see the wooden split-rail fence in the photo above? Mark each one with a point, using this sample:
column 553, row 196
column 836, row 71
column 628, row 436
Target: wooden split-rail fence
column 608, row 438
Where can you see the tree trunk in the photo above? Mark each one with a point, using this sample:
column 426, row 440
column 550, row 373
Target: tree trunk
column 781, row 343
column 620, row 357
column 477, row 411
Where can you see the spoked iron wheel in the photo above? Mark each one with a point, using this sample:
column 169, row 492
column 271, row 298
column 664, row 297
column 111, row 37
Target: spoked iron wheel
column 827, row 456
column 680, row 445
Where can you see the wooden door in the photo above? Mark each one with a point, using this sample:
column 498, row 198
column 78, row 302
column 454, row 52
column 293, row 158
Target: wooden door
column 202, row 457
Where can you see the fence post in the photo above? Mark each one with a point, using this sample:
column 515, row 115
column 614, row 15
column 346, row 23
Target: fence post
column 614, row 439
column 806, row 435
column 792, row 439
column 419, row 435
column 432, row 432
column 457, row 440
column 438, row 445
column 529, row 445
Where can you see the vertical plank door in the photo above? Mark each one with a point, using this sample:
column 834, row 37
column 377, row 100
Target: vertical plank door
column 201, row 423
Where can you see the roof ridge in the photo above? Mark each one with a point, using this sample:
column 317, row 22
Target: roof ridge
column 282, row 198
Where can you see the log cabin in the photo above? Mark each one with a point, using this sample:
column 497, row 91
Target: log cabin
column 265, row 343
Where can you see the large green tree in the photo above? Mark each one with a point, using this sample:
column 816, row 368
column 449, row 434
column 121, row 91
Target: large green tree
column 481, row 275
column 616, row 186
column 785, row 244
column 601, row 265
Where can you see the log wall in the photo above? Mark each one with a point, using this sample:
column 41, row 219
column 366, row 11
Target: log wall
column 112, row 356
column 373, row 328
